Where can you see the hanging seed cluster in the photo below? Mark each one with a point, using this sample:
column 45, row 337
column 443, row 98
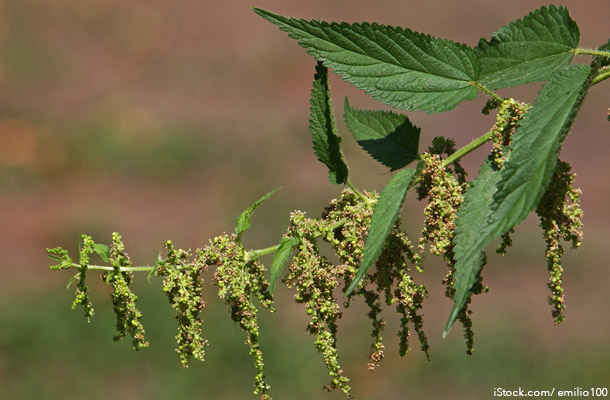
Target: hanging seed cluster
column 560, row 219
column 183, row 286
column 239, row 281
column 123, row 299
column 344, row 226
column 510, row 113
column 443, row 187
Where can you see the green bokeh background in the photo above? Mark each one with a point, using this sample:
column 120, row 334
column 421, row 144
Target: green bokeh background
column 165, row 120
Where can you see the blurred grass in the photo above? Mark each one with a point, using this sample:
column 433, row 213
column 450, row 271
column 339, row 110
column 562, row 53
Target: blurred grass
column 48, row 351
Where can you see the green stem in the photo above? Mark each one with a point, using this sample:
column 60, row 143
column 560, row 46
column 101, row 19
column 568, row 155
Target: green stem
column 362, row 197
column 351, row 186
column 605, row 74
column 590, row 52
column 254, row 254
column 475, row 144
column 146, row 268
column 487, row 92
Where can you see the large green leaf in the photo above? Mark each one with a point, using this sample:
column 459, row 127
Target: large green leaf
column 383, row 220
column 526, row 173
column 287, row 244
column 388, row 137
column 243, row 221
column 528, row 50
column 471, row 220
column 326, row 142
column 399, row 67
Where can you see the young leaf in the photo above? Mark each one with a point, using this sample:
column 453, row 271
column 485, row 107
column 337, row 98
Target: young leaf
column 388, row 137
column 243, row 222
column 383, row 220
column 326, row 141
column 287, row 244
column 103, row 251
column 399, row 67
column 469, row 224
column 526, row 173
column 528, row 50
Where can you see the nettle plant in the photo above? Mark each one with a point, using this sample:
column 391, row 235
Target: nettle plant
column 410, row 71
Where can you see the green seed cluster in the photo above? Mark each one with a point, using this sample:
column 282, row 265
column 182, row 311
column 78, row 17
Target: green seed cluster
column 123, row 299
column 442, row 145
column 506, row 242
column 344, row 226
column 315, row 279
column 82, row 298
column 444, row 189
column 348, row 243
column 393, row 272
column 444, row 194
column 239, row 280
column 510, row 113
column 183, row 286
column 560, row 218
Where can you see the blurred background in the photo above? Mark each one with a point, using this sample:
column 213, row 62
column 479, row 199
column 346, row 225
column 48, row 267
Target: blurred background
column 164, row 120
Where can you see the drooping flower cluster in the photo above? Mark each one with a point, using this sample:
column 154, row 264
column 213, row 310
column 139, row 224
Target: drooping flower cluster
column 344, row 225
column 444, row 194
column 392, row 272
column 183, row 286
column 444, row 189
column 315, row 279
column 560, row 218
column 510, row 113
column 239, row 280
column 123, row 299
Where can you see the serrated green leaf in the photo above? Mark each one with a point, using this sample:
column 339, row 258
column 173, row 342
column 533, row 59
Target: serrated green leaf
column 388, row 137
column 528, row 50
column 471, row 220
column 326, row 141
column 287, row 244
column 383, row 220
column 526, row 173
column 103, row 251
column 399, row 67
column 243, row 222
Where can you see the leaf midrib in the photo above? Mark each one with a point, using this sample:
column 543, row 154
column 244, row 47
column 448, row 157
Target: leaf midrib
column 322, row 24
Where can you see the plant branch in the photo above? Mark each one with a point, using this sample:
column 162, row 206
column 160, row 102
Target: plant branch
column 146, row 268
column 603, row 75
column 487, row 92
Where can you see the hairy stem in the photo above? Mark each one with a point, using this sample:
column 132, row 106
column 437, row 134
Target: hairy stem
column 603, row 75
column 363, row 197
column 144, row 268
column 592, row 52
column 487, row 91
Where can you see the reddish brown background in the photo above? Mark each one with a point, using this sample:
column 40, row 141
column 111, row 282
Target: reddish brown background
column 163, row 120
